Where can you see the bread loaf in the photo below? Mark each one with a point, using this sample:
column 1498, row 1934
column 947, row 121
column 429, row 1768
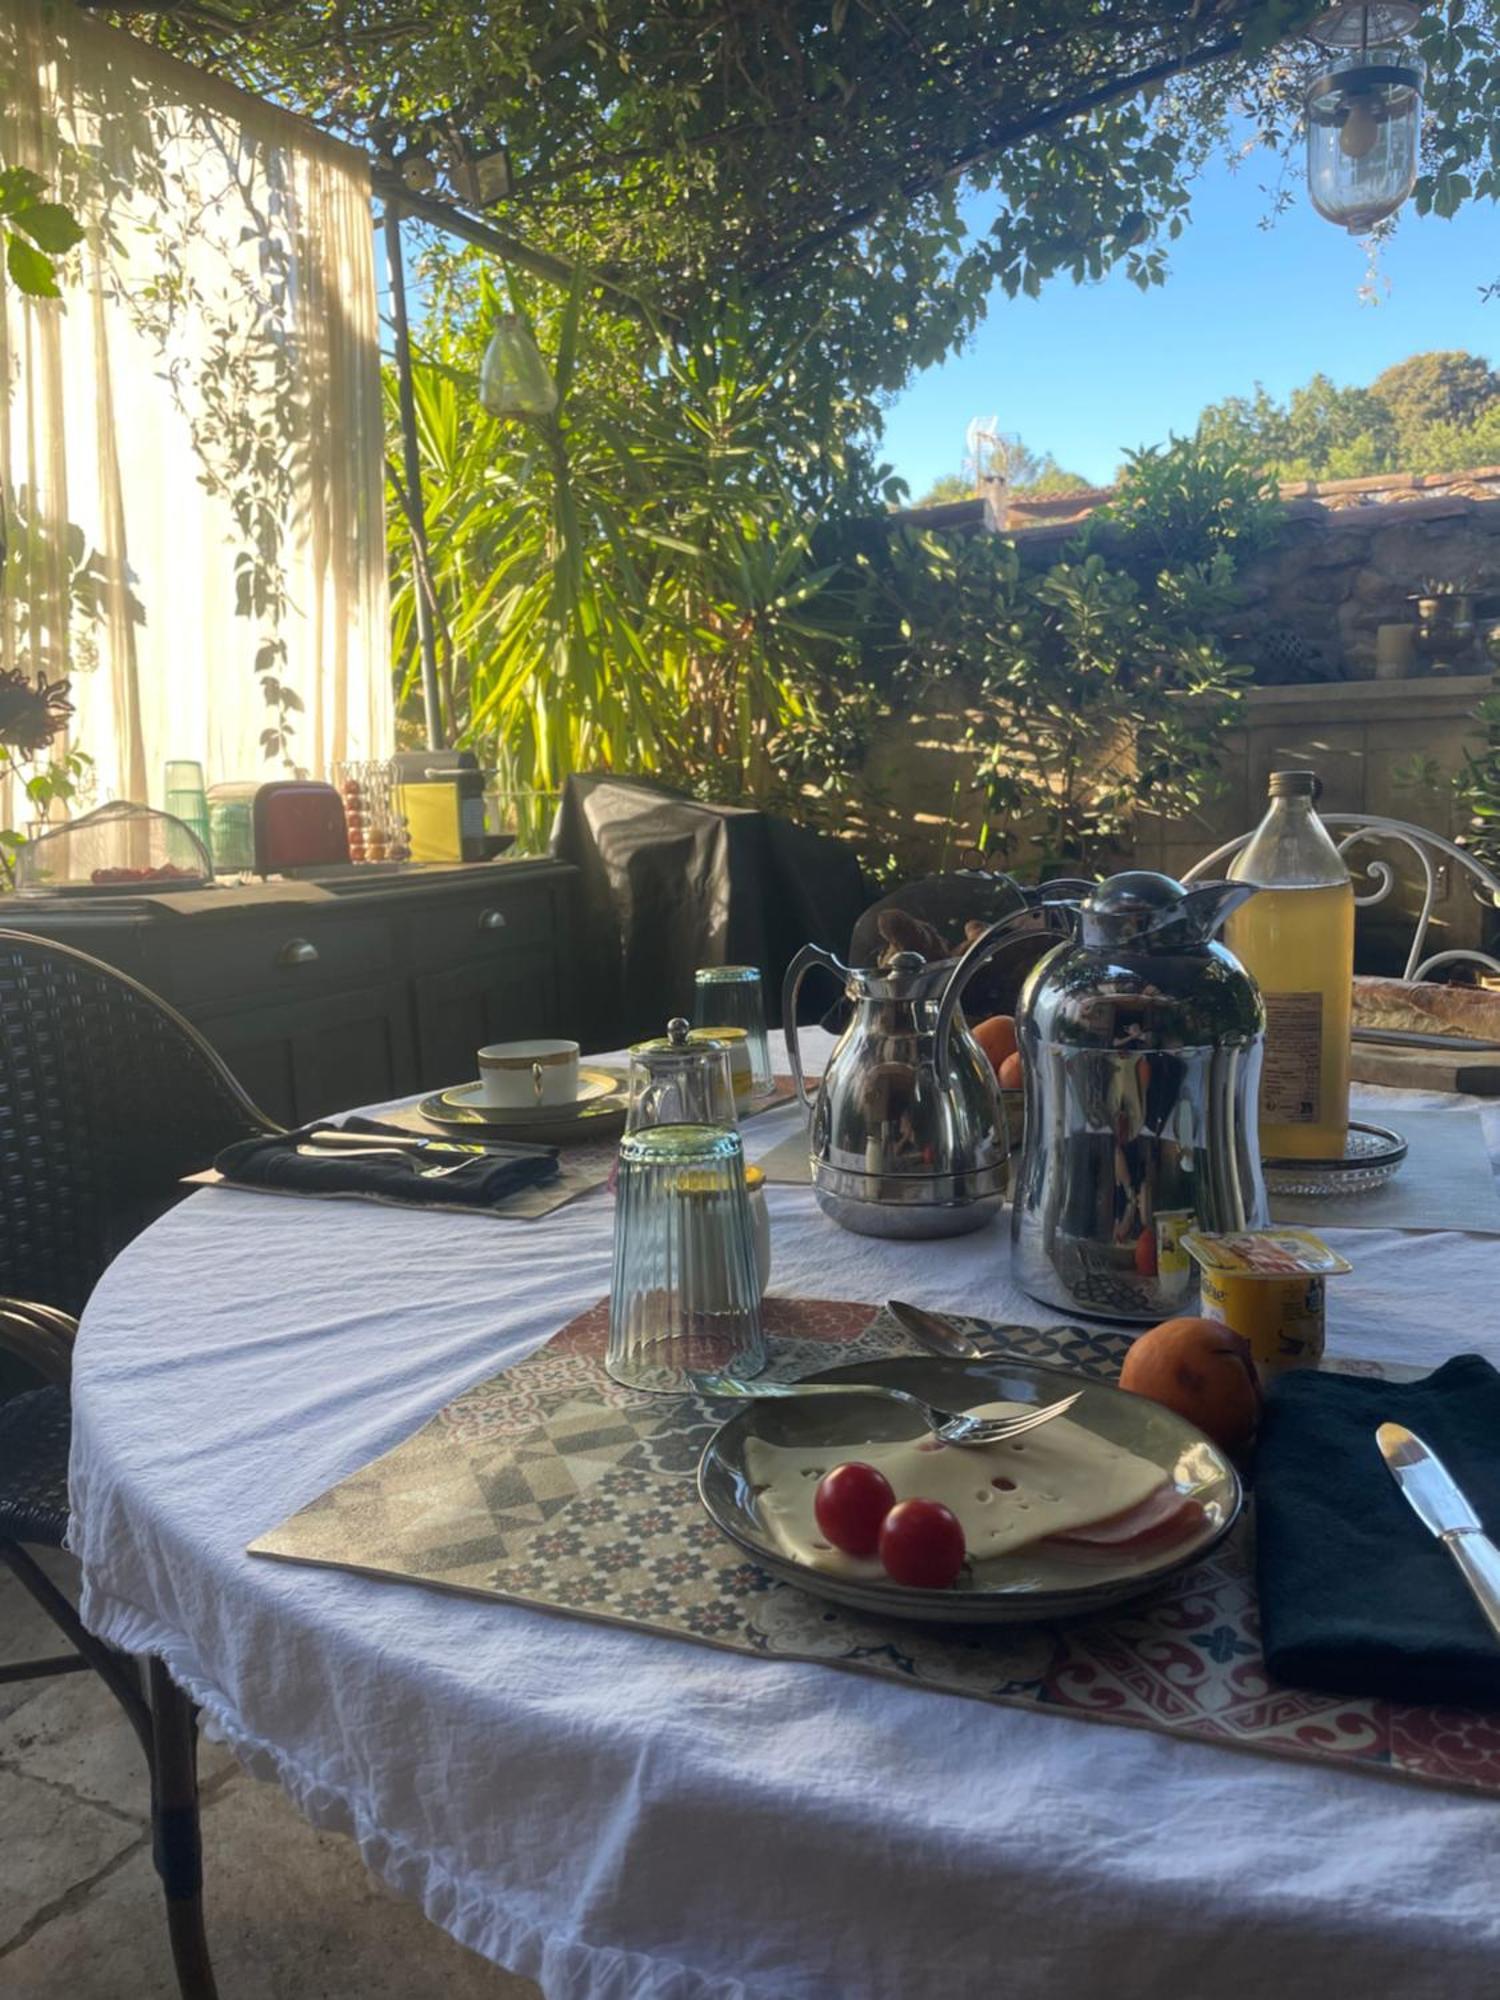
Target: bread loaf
column 1422, row 1007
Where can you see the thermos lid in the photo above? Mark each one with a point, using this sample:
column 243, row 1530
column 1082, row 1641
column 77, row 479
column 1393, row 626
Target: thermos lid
column 1146, row 912
column 1127, row 906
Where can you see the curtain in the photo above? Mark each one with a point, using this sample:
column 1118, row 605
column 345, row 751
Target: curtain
column 191, row 439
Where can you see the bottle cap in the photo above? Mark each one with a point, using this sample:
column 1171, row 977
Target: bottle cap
column 1294, row 785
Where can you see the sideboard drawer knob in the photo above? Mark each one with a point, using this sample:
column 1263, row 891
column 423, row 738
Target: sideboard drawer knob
column 492, row 920
column 298, row 951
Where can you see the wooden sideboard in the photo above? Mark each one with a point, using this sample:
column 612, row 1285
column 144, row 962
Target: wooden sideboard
column 382, row 986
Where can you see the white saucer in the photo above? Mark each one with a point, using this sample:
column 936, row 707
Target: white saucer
column 593, row 1086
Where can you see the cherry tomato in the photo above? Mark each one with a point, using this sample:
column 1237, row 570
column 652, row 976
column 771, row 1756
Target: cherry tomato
column 922, row 1544
column 850, row 1504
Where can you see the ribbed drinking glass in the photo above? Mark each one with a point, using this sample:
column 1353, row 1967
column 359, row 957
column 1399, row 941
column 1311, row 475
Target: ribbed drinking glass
column 731, row 996
column 185, row 797
column 686, row 1294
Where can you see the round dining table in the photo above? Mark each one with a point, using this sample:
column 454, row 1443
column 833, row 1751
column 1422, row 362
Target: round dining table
column 623, row 1816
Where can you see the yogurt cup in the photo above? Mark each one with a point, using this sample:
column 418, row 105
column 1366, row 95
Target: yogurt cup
column 1268, row 1286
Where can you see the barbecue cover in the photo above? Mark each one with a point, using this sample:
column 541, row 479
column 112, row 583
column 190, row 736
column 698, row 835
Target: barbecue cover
column 669, row 884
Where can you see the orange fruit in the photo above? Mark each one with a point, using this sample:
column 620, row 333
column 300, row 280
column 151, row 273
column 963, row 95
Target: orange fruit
column 1203, row 1371
column 997, row 1037
column 1010, row 1075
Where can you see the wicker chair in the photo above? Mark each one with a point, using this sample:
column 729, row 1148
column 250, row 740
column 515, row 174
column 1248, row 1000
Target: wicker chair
column 107, row 1098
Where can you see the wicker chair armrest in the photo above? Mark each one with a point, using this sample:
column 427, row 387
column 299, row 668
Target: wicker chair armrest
column 39, row 1335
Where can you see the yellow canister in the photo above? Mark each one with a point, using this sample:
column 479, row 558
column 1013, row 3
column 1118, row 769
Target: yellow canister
column 1268, row 1285
column 737, row 1046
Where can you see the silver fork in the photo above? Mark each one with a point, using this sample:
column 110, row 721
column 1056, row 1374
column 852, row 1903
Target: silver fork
column 387, row 1153
column 949, row 1426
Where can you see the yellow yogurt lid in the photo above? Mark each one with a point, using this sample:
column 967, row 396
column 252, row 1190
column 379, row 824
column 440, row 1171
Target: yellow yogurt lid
column 1265, row 1253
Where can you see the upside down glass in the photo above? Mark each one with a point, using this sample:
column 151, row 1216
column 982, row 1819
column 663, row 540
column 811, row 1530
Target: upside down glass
column 185, row 797
column 685, row 1295
column 731, row 996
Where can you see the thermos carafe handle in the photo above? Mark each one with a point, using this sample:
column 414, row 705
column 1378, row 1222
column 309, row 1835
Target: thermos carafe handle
column 984, row 948
column 809, row 956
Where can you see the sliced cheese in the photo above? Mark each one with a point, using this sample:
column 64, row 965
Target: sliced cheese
column 1058, row 1477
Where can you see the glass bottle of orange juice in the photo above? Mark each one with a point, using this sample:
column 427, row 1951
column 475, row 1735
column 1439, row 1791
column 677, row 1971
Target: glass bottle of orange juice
column 1297, row 940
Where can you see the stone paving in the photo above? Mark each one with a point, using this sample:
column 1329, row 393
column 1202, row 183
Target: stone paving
column 292, row 1913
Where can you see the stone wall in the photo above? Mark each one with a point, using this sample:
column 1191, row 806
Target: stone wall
column 1385, row 748
column 1351, row 559
column 1351, row 556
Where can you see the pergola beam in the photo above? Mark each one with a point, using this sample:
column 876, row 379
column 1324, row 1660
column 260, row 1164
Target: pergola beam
column 411, row 448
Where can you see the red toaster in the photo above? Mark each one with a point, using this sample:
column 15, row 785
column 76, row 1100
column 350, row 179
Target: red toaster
column 298, row 825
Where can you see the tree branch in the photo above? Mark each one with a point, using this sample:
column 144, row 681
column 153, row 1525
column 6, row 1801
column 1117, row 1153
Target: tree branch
column 999, row 141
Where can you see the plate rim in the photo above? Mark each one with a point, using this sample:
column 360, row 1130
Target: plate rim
column 1397, row 1148
column 1012, row 1604
column 508, row 1114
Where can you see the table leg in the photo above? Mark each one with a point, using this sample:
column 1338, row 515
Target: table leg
column 176, row 1838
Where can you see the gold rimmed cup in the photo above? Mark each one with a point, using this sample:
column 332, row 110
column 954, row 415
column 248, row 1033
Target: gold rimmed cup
column 519, row 1076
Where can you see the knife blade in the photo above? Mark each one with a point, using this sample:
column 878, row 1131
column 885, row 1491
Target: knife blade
column 333, row 1136
column 1443, row 1508
column 939, row 1335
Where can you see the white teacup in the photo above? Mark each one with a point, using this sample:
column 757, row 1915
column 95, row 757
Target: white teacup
column 518, row 1076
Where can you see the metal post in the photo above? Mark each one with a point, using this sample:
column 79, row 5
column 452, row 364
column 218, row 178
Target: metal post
column 411, row 452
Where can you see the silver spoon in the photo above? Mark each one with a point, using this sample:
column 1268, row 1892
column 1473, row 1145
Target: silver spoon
column 948, row 1426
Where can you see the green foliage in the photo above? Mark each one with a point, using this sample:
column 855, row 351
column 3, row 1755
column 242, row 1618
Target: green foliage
column 56, row 782
column 1096, row 695
column 1054, row 478
column 1476, row 787
column 943, row 491
column 1437, row 412
column 813, row 158
column 629, row 583
column 1186, row 505
column 1009, row 458
column 1443, row 387
column 36, row 232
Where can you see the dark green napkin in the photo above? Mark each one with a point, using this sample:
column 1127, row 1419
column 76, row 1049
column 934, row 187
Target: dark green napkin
column 488, row 1178
column 1356, row 1597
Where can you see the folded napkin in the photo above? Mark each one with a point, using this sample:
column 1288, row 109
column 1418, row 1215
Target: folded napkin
column 489, row 1177
column 1356, row 1596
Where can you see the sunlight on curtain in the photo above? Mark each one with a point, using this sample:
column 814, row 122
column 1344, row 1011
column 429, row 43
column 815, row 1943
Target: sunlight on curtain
column 191, row 441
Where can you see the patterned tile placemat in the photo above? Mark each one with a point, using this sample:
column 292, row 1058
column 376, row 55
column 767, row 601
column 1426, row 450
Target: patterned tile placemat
column 550, row 1485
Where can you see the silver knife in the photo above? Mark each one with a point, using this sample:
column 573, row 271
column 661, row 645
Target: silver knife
column 939, row 1335
column 1439, row 1504
column 334, row 1136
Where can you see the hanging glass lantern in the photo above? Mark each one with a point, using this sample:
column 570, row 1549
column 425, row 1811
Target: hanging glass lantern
column 1364, row 115
column 513, row 378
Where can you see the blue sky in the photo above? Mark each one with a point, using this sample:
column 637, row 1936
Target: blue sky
column 1086, row 370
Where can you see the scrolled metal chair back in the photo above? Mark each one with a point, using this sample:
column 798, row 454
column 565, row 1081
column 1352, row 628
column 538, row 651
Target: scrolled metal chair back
column 1352, row 831
column 107, row 1098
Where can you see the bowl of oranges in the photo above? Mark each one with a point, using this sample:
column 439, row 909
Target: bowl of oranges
column 997, row 1039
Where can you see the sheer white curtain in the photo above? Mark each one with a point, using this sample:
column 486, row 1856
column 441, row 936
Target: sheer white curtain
column 191, row 439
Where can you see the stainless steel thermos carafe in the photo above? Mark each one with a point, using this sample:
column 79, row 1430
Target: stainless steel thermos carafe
column 1141, row 1044
column 906, row 1138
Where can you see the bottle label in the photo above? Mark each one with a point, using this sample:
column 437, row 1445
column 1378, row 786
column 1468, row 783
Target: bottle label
column 1291, row 1081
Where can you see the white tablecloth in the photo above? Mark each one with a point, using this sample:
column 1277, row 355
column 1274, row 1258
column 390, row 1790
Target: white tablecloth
column 617, row 1814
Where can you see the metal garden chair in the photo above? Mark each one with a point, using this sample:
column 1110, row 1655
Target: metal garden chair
column 1359, row 837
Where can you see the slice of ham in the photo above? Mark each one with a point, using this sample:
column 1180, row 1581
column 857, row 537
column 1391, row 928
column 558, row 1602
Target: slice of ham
column 1162, row 1518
